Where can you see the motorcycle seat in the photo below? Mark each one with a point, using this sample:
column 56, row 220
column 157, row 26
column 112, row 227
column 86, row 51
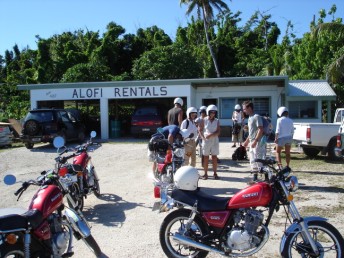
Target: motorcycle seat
column 205, row 202
column 13, row 221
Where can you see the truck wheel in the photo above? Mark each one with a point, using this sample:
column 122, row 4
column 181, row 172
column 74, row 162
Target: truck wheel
column 310, row 152
column 330, row 150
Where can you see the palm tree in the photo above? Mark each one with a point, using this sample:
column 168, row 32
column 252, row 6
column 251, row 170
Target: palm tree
column 335, row 70
column 206, row 8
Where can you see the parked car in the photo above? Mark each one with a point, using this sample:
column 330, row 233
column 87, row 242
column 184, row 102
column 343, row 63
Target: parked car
column 319, row 137
column 340, row 141
column 43, row 125
column 145, row 120
column 5, row 134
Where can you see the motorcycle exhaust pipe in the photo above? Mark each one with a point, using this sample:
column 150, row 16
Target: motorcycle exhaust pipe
column 186, row 241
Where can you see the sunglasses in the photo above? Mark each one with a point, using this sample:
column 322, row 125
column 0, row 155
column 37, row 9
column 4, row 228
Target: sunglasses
column 212, row 112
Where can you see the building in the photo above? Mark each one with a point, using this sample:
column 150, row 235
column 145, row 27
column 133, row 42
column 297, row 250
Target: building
column 304, row 99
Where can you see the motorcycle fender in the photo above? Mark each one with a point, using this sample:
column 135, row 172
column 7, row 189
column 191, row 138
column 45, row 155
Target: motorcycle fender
column 77, row 223
column 295, row 227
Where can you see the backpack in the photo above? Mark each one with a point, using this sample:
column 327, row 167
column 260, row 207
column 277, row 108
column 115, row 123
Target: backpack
column 240, row 153
column 267, row 125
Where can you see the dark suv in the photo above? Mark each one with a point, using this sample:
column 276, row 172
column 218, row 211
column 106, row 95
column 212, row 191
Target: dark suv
column 145, row 120
column 43, row 125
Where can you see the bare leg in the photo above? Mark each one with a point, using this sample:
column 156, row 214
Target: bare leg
column 287, row 154
column 214, row 159
column 278, row 155
column 205, row 165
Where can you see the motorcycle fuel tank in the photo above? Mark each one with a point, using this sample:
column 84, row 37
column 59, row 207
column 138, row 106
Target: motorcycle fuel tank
column 259, row 194
column 81, row 159
column 47, row 200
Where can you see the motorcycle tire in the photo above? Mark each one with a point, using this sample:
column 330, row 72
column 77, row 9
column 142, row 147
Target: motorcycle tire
column 14, row 251
column 329, row 241
column 93, row 245
column 77, row 196
column 96, row 188
column 177, row 219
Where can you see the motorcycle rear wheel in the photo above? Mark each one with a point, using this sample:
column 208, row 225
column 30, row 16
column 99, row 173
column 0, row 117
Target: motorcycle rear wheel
column 93, row 245
column 12, row 253
column 329, row 241
column 175, row 223
column 77, row 197
column 96, row 188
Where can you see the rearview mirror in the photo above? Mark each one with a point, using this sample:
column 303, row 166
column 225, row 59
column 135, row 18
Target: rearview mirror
column 59, row 142
column 93, row 134
column 10, row 179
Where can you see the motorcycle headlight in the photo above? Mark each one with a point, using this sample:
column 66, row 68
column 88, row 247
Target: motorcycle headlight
column 179, row 152
column 292, row 184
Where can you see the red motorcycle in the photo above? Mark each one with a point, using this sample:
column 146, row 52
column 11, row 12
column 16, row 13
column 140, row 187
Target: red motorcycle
column 235, row 226
column 81, row 173
column 46, row 229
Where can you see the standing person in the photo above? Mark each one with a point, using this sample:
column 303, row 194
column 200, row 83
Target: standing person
column 190, row 125
column 284, row 135
column 203, row 114
column 175, row 114
column 210, row 131
column 238, row 120
column 255, row 140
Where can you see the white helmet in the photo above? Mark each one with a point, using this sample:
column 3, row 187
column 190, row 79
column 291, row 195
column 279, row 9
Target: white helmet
column 190, row 110
column 178, row 101
column 281, row 110
column 237, row 107
column 202, row 108
column 186, row 178
column 184, row 133
column 211, row 108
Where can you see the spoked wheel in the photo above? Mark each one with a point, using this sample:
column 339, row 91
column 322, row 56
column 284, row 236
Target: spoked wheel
column 13, row 254
column 93, row 245
column 175, row 222
column 328, row 240
column 76, row 196
column 96, row 188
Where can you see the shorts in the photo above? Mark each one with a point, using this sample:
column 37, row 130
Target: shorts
column 283, row 141
column 211, row 146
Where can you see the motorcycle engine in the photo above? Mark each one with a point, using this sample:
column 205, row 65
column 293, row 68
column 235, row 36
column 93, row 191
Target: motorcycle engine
column 60, row 236
column 243, row 236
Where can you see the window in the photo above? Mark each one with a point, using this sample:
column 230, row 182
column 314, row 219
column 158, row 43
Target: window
column 303, row 109
column 261, row 106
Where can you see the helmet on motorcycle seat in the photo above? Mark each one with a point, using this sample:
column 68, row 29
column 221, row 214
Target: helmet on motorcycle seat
column 211, row 108
column 237, row 107
column 203, row 109
column 190, row 110
column 178, row 101
column 184, row 133
column 281, row 110
column 186, row 178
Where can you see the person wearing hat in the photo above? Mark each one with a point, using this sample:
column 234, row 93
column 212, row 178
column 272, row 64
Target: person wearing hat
column 175, row 114
column 238, row 120
column 283, row 135
column 190, row 125
column 210, row 131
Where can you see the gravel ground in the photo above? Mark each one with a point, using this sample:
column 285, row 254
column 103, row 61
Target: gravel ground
column 122, row 221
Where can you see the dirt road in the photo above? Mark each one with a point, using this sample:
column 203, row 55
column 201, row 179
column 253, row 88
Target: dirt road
column 122, row 221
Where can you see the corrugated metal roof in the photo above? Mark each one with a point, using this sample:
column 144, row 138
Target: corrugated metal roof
column 310, row 89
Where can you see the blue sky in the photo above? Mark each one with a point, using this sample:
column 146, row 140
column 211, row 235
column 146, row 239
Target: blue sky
column 21, row 20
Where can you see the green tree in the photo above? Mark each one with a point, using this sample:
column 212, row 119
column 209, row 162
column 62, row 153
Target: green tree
column 205, row 9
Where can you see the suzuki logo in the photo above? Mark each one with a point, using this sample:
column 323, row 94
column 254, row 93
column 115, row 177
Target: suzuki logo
column 249, row 195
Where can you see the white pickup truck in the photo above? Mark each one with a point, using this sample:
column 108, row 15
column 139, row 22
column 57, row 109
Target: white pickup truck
column 340, row 141
column 319, row 137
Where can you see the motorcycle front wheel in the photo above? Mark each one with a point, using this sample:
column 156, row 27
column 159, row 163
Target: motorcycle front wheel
column 96, row 188
column 77, row 197
column 11, row 252
column 93, row 245
column 175, row 222
column 329, row 241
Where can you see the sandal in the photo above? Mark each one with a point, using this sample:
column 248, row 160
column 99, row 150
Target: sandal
column 216, row 177
column 205, row 177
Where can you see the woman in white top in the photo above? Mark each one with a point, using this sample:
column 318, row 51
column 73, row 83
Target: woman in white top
column 238, row 121
column 190, row 125
column 210, row 131
column 284, row 135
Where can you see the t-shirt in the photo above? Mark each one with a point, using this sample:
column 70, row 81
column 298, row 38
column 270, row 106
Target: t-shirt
column 254, row 122
column 170, row 129
column 192, row 128
column 173, row 116
column 284, row 127
column 210, row 126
